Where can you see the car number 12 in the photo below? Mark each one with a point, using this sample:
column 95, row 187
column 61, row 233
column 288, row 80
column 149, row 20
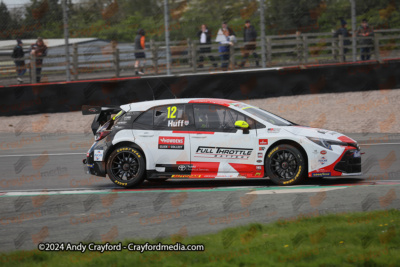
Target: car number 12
column 171, row 112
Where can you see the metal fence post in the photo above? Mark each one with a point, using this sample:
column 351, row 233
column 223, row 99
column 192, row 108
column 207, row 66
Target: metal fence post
column 154, row 55
column 353, row 28
column 376, row 48
column 298, row 47
column 193, row 54
column 232, row 56
column 269, row 50
column 262, row 27
column 33, row 68
column 75, row 60
column 116, row 62
column 305, row 49
column 341, row 48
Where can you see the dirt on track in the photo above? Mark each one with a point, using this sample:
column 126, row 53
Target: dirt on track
column 354, row 112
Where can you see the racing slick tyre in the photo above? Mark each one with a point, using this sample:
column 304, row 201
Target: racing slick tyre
column 126, row 166
column 285, row 165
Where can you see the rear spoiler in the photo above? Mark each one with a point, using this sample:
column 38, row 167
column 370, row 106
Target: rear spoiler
column 91, row 110
column 103, row 114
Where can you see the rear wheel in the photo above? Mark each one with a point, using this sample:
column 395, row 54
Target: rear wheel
column 285, row 165
column 126, row 166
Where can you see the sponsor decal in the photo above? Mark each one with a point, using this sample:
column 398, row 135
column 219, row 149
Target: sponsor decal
column 98, row 155
column 178, row 123
column 127, row 118
column 258, row 168
column 168, row 142
column 263, row 142
column 92, row 109
column 260, row 155
column 259, row 161
column 294, row 179
column 182, row 168
column 186, row 176
column 321, row 174
column 274, row 130
column 257, row 174
column 122, row 122
column 272, row 152
column 261, row 148
column 323, row 152
column 322, row 160
column 223, row 152
column 186, row 123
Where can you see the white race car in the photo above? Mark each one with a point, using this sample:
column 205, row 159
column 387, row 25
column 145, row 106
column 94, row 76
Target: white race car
column 211, row 138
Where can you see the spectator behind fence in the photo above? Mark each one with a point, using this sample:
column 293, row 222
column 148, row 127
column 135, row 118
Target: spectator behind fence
column 204, row 36
column 249, row 38
column 345, row 33
column 39, row 49
column 365, row 31
column 226, row 37
column 18, row 54
column 139, row 52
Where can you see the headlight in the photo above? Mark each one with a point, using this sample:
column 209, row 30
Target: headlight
column 326, row 143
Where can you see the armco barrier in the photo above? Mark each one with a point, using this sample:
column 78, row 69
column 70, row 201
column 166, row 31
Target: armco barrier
column 238, row 85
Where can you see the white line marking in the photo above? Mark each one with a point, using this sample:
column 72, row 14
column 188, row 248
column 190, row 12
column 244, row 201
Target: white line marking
column 379, row 144
column 58, row 154
column 286, row 191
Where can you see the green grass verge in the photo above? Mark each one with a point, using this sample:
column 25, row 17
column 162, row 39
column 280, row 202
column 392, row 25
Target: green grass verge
column 352, row 239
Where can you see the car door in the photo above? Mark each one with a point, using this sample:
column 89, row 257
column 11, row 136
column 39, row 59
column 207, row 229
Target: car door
column 162, row 133
column 220, row 150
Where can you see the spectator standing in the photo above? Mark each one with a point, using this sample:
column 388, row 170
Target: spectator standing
column 204, row 36
column 345, row 33
column 249, row 38
column 226, row 37
column 139, row 51
column 39, row 49
column 365, row 31
column 18, row 54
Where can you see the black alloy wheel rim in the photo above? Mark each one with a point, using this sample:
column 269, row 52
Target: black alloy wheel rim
column 125, row 166
column 284, row 164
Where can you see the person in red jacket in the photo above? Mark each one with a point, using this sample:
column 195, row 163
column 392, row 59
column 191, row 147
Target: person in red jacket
column 39, row 49
column 139, row 50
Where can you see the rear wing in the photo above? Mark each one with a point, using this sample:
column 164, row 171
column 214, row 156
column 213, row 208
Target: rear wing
column 91, row 110
column 103, row 114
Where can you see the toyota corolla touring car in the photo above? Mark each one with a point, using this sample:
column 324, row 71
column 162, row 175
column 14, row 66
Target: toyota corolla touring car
column 210, row 139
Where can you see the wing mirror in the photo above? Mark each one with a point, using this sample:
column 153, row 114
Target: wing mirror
column 241, row 125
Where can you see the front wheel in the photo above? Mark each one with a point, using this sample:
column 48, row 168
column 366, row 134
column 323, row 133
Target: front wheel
column 285, row 165
column 126, row 167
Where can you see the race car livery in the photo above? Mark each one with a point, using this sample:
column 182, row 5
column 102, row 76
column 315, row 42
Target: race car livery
column 211, row 138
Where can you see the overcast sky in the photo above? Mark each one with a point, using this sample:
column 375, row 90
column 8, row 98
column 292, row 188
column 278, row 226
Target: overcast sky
column 14, row 2
column 11, row 3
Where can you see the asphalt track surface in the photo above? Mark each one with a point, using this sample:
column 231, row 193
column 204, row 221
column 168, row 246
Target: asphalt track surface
column 46, row 197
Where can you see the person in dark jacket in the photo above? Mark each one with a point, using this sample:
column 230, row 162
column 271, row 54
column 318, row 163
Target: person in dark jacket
column 204, row 36
column 249, row 38
column 18, row 54
column 139, row 51
column 345, row 33
column 226, row 37
column 365, row 31
column 39, row 49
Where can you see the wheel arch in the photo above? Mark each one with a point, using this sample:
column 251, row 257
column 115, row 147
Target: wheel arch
column 288, row 142
column 124, row 143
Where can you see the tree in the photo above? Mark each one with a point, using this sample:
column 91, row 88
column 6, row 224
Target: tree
column 5, row 22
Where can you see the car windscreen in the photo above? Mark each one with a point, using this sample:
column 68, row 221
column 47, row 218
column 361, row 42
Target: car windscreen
column 267, row 116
